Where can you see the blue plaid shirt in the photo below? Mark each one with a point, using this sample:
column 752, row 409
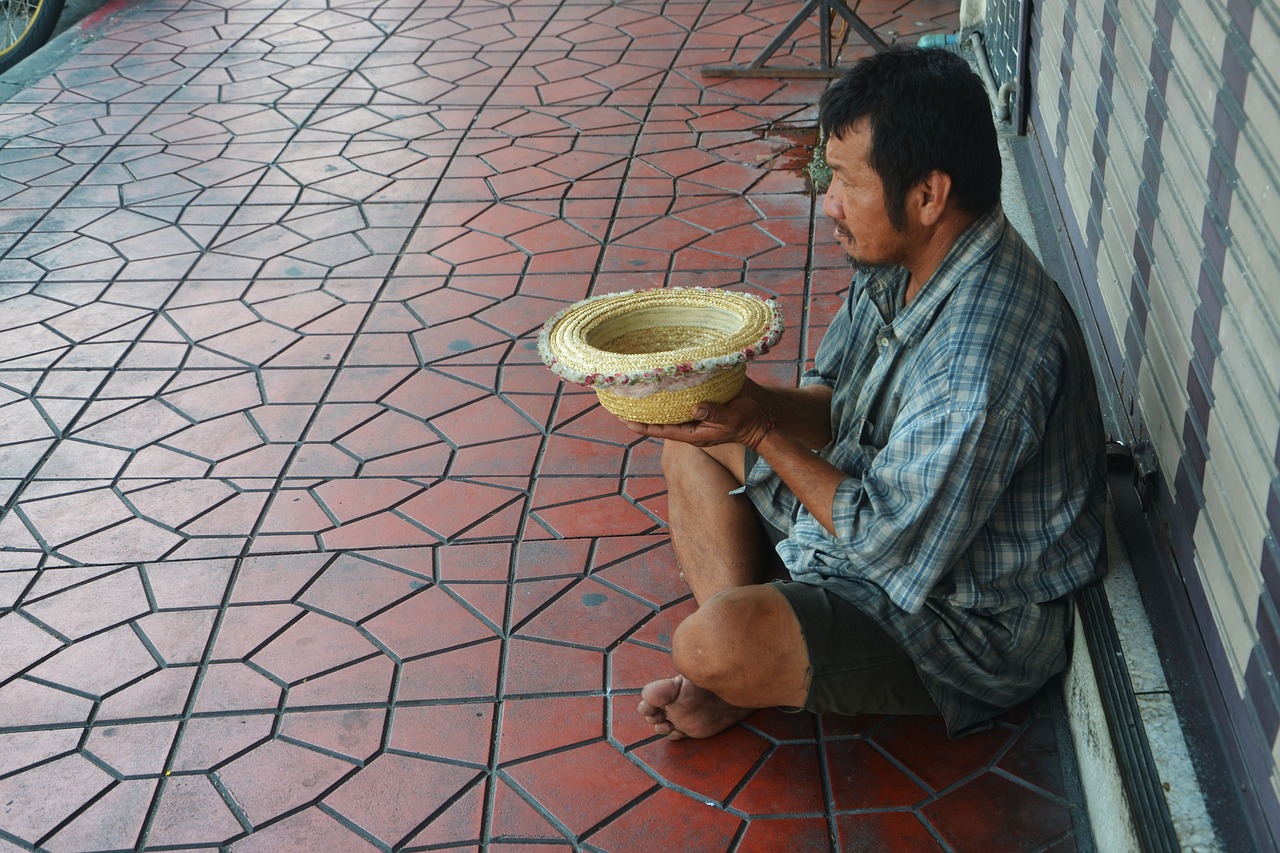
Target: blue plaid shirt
column 968, row 424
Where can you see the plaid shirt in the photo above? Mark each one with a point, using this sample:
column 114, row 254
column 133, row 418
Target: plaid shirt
column 968, row 424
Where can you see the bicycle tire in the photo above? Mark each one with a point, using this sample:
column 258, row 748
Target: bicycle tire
column 24, row 26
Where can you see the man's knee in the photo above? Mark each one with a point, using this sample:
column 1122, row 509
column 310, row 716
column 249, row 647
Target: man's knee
column 726, row 635
column 685, row 463
column 676, row 458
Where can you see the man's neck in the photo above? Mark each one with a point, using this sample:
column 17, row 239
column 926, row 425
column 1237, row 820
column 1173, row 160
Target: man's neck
column 933, row 246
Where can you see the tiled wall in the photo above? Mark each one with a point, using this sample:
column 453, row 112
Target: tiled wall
column 1161, row 119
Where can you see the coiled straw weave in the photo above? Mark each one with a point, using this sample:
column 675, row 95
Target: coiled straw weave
column 652, row 355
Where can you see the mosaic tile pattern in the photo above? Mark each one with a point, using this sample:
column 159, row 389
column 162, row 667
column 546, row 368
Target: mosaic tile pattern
column 302, row 547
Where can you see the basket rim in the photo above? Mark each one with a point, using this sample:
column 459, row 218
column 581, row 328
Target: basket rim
column 566, row 330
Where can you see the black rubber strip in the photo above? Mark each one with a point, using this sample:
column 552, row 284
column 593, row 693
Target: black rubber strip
column 1138, row 774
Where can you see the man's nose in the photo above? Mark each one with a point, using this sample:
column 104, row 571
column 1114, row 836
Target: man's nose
column 831, row 206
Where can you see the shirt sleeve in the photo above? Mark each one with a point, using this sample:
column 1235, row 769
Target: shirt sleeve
column 923, row 498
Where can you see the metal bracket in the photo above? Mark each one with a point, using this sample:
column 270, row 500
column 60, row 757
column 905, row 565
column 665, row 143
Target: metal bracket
column 1141, row 458
column 825, row 68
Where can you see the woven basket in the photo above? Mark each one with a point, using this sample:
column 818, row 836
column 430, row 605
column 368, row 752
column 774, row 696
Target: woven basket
column 653, row 355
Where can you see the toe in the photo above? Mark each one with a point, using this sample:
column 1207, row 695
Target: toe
column 661, row 693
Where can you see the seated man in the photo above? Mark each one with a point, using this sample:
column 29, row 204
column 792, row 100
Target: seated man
column 934, row 488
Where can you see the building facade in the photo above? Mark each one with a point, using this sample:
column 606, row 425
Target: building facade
column 1157, row 128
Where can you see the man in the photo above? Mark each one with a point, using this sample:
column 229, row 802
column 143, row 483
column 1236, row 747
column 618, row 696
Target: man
column 934, row 487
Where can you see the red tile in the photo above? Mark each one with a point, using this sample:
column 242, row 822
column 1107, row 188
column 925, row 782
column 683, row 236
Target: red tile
column 626, row 727
column 589, row 614
column 885, row 831
column 24, row 749
column 483, row 421
column 668, row 821
column 363, row 682
column 24, row 644
column 461, row 732
column 113, row 822
column 608, row 515
column 273, row 579
column 790, row 782
column 482, row 562
column 565, row 455
column 139, row 749
column 383, row 529
column 470, row 672
column 710, row 769
column 209, row 741
column 355, row 733
column 38, row 799
column 236, row 687
column 652, row 575
column 386, row 434
column 632, row 666
column 245, row 628
column 783, row 725
column 802, row 835
column 922, row 745
column 538, row 725
column 98, row 664
column 425, row 462
column 513, row 817
column 452, row 506
column 537, row 667
column 191, row 811
column 458, row 822
column 510, row 458
column 659, row 630
column 395, row 794
column 163, row 693
column 310, row 646
column 278, row 777
column 529, row 596
column 428, row 621
column 1027, row 819
column 351, row 588
column 488, row 600
column 567, row 784
column 311, row 829
column 862, row 778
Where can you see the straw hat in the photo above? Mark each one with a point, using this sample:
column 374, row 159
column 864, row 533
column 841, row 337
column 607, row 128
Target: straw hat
column 652, row 355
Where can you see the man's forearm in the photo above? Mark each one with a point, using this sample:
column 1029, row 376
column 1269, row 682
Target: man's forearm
column 802, row 413
column 811, row 478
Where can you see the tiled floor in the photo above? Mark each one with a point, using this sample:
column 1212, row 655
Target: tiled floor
column 302, row 547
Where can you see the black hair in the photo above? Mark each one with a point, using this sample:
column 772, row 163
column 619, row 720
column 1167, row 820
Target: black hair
column 927, row 110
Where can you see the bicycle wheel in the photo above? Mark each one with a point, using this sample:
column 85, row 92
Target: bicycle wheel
column 24, row 26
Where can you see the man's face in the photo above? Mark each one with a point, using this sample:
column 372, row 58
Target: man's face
column 855, row 201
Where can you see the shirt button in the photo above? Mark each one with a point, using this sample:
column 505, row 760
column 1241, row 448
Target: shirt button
column 883, row 340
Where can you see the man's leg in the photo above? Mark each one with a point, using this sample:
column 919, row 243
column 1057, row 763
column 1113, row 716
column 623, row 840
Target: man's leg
column 743, row 649
column 717, row 537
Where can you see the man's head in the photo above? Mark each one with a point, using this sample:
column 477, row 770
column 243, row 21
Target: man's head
column 926, row 111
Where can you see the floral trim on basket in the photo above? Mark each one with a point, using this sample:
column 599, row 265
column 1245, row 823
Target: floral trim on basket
column 668, row 377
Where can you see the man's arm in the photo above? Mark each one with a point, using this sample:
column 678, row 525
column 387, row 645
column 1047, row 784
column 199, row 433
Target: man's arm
column 783, row 425
column 802, row 413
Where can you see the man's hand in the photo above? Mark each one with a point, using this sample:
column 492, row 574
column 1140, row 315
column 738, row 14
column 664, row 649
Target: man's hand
column 740, row 421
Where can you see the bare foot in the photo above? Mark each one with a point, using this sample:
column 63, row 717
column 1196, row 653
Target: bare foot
column 678, row 708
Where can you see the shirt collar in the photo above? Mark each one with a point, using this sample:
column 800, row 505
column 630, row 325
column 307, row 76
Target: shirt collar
column 913, row 321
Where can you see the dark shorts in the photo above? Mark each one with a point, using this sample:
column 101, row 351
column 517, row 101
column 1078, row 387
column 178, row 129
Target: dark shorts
column 857, row 667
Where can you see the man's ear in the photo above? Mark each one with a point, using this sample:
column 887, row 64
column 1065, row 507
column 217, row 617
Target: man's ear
column 931, row 196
